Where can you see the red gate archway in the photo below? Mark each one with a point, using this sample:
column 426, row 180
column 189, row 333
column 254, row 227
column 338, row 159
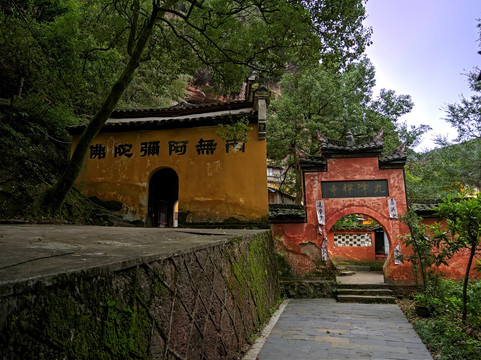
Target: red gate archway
column 348, row 177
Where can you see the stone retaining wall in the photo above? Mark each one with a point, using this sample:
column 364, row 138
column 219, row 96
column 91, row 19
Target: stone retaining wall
column 201, row 304
column 299, row 288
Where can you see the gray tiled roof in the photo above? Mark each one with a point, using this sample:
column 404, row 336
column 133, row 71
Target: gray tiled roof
column 366, row 146
column 287, row 212
column 393, row 157
column 313, row 162
column 424, row 206
column 343, row 147
column 181, row 108
column 183, row 117
column 397, row 158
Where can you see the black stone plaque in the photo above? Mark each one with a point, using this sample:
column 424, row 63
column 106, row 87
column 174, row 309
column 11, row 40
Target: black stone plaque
column 353, row 189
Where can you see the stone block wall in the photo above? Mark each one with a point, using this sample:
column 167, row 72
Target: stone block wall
column 201, row 304
column 299, row 288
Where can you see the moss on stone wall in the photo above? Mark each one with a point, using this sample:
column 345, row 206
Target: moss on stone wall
column 79, row 318
column 199, row 305
column 255, row 273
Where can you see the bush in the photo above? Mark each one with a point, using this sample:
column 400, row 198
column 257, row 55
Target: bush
column 448, row 337
column 444, row 333
column 34, row 152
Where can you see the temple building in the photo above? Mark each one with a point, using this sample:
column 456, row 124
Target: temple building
column 348, row 178
column 170, row 167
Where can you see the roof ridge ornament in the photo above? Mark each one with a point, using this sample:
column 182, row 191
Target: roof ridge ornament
column 350, row 139
column 401, row 148
column 378, row 136
column 321, row 138
column 301, row 154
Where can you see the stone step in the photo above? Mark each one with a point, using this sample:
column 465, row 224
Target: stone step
column 118, row 221
column 345, row 273
column 361, row 286
column 366, row 299
column 121, row 224
column 354, row 267
column 370, row 292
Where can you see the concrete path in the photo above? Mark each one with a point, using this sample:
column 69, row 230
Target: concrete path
column 30, row 253
column 362, row 277
column 324, row 329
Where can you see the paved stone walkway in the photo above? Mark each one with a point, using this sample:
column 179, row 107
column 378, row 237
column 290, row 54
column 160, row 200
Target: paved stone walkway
column 324, row 329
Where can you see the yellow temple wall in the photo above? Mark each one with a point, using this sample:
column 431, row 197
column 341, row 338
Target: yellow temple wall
column 212, row 187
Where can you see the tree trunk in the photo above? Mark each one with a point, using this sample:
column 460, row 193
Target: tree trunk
column 50, row 201
column 466, row 279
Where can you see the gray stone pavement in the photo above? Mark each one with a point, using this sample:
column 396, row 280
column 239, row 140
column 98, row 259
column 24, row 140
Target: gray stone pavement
column 362, row 277
column 324, row 329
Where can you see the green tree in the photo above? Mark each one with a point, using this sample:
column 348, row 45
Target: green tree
column 428, row 253
column 231, row 38
column 333, row 102
column 71, row 52
column 463, row 219
column 452, row 169
column 465, row 116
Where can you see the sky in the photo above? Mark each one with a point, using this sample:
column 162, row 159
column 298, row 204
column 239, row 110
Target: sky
column 422, row 48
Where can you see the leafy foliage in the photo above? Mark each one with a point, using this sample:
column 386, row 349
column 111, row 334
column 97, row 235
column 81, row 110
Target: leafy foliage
column 449, row 170
column 448, row 337
column 465, row 116
column 42, row 49
column 444, row 334
column 334, row 102
column 432, row 245
column 463, row 219
column 34, row 150
column 237, row 130
column 429, row 251
column 356, row 222
column 456, row 166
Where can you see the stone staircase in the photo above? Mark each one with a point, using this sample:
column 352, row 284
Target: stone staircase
column 365, row 293
column 357, row 284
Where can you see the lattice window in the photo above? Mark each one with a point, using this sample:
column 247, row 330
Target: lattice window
column 353, row 239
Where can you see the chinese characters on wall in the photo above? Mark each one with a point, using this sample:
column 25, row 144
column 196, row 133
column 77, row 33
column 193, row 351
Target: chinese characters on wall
column 391, row 203
column 154, row 148
column 350, row 189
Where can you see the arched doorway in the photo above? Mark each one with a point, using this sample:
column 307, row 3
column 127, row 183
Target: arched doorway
column 349, row 177
column 163, row 197
column 358, row 237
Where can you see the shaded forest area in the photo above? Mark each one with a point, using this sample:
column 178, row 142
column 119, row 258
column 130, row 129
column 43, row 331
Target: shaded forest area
column 60, row 60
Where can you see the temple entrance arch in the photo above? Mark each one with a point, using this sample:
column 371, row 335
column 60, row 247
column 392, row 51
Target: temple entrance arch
column 357, row 237
column 163, row 198
column 349, row 177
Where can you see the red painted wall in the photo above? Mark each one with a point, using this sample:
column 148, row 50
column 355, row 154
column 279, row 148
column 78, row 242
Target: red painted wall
column 301, row 242
column 351, row 253
column 456, row 267
column 289, row 237
column 287, row 240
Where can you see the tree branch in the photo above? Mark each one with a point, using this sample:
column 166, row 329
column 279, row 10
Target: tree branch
column 133, row 27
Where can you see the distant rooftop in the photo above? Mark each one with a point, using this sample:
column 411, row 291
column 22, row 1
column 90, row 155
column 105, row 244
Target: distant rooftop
column 424, row 207
column 287, row 212
column 350, row 145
